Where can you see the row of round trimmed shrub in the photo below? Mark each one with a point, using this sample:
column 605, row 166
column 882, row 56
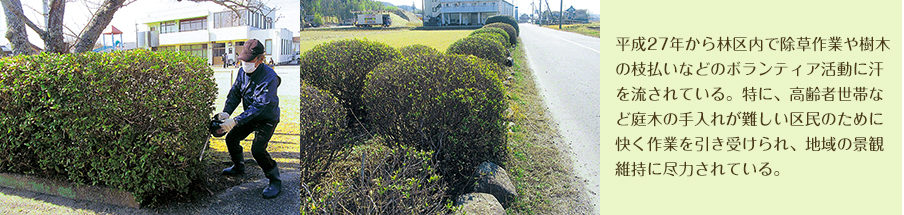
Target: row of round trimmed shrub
column 449, row 104
column 417, row 49
column 480, row 47
column 506, row 28
column 340, row 68
column 496, row 34
column 505, row 19
column 133, row 120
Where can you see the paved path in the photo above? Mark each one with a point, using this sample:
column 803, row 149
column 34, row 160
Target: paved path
column 567, row 69
column 242, row 199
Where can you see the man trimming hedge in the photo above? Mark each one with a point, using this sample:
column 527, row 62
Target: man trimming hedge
column 255, row 87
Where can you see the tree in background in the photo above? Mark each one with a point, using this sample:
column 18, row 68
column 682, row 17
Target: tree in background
column 340, row 9
column 52, row 32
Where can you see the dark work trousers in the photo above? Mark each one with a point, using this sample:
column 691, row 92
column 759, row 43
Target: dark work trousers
column 262, row 132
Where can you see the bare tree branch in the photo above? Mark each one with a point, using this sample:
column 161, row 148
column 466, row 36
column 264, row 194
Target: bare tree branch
column 236, row 5
column 98, row 23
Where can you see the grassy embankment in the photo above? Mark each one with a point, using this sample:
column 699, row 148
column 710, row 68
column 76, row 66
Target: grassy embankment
column 539, row 170
column 589, row 29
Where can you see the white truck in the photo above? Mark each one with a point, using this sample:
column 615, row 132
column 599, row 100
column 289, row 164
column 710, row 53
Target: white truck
column 371, row 20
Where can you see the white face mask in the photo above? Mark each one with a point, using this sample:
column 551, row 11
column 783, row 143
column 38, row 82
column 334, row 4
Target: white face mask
column 249, row 67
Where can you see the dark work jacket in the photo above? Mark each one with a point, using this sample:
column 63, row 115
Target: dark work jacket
column 257, row 93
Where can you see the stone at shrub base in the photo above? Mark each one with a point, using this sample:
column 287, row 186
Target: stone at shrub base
column 494, row 180
column 478, row 203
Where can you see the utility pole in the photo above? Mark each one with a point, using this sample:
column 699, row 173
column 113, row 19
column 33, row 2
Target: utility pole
column 302, row 15
column 560, row 13
column 540, row 14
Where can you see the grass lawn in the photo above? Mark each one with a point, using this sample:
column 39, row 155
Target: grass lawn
column 438, row 39
column 590, row 29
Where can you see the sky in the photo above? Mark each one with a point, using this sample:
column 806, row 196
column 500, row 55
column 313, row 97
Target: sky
column 78, row 13
column 592, row 6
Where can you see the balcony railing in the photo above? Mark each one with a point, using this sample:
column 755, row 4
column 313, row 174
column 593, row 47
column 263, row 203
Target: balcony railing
column 468, row 9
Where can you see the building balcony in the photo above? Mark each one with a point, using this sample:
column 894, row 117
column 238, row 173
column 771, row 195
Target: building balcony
column 199, row 36
column 469, row 9
column 230, row 33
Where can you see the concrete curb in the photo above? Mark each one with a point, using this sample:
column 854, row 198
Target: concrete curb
column 69, row 190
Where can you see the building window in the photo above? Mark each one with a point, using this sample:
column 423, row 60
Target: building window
column 268, row 45
column 199, row 50
column 168, row 27
column 242, row 17
column 166, row 48
column 227, row 19
column 193, row 24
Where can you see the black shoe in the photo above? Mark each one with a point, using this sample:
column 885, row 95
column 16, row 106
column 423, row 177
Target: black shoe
column 273, row 189
column 235, row 169
column 238, row 165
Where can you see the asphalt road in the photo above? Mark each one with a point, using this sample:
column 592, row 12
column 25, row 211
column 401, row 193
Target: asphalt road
column 567, row 69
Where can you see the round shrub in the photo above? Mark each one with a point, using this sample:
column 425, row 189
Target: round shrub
column 493, row 37
column 322, row 120
column 480, row 47
column 450, row 104
column 505, row 19
column 495, row 32
column 133, row 120
column 340, row 67
column 508, row 29
column 398, row 180
column 417, row 49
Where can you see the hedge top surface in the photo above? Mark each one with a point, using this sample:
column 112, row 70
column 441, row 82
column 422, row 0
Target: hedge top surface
column 417, row 49
column 506, row 28
column 504, row 19
column 480, row 47
column 493, row 30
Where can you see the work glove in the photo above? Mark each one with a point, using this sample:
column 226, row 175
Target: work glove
column 227, row 125
column 221, row 116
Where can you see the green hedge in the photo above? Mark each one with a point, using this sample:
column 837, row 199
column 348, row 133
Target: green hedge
column 417, row 49
column 398, row 180
column 505, row 19
column 507, row 29
column 340, row 67
column 496, row 34
column 480, row 47
column 322, row 120
column 132, row 120
column 450, row 104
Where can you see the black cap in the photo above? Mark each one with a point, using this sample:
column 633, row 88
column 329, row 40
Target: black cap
column 252, row 49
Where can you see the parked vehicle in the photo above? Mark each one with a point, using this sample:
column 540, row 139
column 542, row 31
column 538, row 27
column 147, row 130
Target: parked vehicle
column 371, row 20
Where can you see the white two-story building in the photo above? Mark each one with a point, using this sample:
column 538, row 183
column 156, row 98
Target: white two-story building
column 211, row 34
column 464, row 12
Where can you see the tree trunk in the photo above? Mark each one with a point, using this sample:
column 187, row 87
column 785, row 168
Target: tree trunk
column 96, row 26
column 16, row 32
column 53, row 34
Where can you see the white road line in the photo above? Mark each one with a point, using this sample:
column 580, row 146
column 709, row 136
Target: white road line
column 572, row 42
